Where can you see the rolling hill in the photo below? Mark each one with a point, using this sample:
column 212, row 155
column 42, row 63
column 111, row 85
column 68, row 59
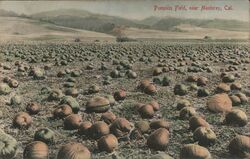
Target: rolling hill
column 61, row 12
column 67, row 24
column 81, row 19
column 187, row 32
column 85, row 20
column 5, row 13
column 231, row 25
column 22, row 29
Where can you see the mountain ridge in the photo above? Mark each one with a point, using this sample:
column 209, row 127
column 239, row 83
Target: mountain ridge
column 114, row 25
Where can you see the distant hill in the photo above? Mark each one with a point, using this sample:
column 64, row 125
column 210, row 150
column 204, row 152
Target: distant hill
column 81, row 19
column 23, row 29
column 168, row 23
column 4, row 13
column 61, row 12
column 85, row 20
column 150, row 20
column 227, row 25
column 70, row 22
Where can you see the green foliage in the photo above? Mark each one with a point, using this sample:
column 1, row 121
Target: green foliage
column 124, row 39
column 207, row 37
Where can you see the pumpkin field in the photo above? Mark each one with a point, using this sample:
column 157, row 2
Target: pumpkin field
column 130, row 100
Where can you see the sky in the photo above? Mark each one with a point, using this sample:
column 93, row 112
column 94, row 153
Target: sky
column 139, row 9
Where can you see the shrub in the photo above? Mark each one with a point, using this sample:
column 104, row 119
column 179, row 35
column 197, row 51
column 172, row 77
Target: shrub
column 124, row 39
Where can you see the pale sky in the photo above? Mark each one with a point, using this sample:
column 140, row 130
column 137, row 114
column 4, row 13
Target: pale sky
column 139, row 9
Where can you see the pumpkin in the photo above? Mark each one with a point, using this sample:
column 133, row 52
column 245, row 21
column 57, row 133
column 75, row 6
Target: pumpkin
column 107, row 143
column 72, row 122
column 146, row 111
column 196, row 121
column 159, row 139
column 219, row 103
column 36, row 150
column 236, row 117
column 205, row 136
column 120, row 127
column 62, row 111
column 74, row 151
column 8, row 146
column 97, row 105
column 45, row 135
column 192, row 151
column 22, row 120
column 98, row 130
column 240, row 146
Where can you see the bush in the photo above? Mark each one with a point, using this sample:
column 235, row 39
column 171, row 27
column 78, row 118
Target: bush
column 77, row 40
column 124, row 39
column 207, row 37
